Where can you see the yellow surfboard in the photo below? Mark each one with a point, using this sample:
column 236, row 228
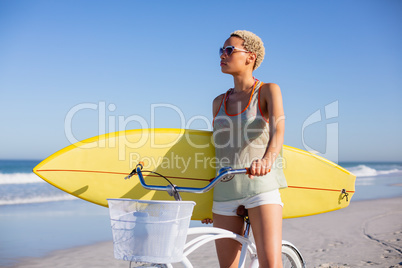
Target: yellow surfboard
column 95, row 170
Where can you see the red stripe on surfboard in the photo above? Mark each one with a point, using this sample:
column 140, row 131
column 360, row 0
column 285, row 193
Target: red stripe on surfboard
column 320, row 189
column 115, row 173
column 180, row 178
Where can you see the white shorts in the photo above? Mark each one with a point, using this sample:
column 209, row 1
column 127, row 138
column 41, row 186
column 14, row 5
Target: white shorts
column 229, row 208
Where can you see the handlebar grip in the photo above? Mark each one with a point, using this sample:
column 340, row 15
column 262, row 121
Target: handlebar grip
column 134, row 171
column 247, row 171
column 141, row 164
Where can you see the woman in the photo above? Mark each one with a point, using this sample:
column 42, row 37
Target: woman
column 248, row 131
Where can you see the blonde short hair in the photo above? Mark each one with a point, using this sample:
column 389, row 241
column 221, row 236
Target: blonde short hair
column 253, row 44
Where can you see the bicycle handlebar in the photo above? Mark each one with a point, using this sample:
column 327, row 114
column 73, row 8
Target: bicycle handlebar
column 222, row 174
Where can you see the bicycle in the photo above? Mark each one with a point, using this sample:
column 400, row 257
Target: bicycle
column 291, row 256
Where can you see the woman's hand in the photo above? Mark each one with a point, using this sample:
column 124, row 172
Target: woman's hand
column 207, row 221
column 259, row 167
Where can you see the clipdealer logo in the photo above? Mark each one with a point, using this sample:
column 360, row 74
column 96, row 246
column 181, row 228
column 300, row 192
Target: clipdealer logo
column 109, row 123
column 331, row 139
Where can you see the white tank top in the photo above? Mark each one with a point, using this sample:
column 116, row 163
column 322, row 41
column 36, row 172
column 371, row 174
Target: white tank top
column 239, row 139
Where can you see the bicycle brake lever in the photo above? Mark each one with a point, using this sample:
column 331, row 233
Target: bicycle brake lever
column 134, row 171
column 228, row 177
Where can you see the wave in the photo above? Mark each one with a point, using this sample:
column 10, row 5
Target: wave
column 19, row 178
column 366, row 171
column 37, row 199
column 28, row 188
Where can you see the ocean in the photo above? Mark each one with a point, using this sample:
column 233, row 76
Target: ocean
column 36, row 218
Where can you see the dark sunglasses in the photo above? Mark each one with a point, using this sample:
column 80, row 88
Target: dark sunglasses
column 229, row 50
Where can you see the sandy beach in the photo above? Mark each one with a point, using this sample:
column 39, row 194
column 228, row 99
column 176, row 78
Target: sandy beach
column 365, row 234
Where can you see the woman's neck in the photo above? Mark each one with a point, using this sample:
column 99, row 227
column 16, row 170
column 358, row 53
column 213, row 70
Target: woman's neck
column 243, row 83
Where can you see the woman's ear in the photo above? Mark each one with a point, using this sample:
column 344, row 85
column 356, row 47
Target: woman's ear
column 252, row 57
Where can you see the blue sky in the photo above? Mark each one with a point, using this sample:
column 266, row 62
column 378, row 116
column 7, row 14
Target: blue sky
column 66, row 65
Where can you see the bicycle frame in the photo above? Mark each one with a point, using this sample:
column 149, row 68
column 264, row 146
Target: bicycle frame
column 208, row 234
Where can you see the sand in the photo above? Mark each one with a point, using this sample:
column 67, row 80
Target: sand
column 365, row 234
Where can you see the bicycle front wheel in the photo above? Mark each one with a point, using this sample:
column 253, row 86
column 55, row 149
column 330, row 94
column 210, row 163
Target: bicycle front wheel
column 291, row 258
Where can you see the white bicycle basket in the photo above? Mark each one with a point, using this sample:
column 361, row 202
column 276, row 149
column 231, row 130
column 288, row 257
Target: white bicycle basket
column 149, row 231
